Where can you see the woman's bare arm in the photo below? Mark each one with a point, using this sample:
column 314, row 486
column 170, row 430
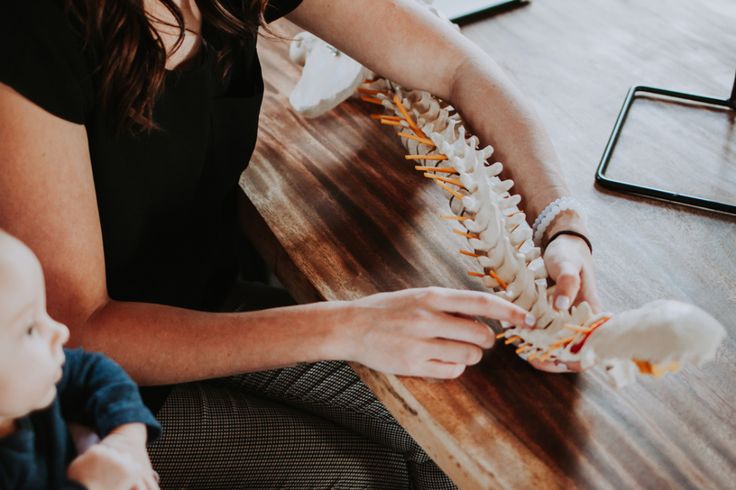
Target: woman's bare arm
column 47, row 199
column 403, row 41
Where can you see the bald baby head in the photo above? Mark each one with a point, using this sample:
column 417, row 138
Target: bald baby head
column 31, row 342
column 19, row 268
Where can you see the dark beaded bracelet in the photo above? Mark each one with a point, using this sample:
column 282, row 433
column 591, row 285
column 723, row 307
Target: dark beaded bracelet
column 573, row 233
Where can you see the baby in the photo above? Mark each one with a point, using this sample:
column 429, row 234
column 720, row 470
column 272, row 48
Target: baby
column 44, row 387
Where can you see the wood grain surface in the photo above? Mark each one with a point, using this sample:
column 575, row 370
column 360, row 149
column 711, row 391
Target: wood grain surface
column 339, row 214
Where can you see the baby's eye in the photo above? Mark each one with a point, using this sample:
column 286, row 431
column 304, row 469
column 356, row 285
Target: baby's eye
column 31, row 331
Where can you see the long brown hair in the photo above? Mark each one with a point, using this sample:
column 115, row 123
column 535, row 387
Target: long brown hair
column 132, row 56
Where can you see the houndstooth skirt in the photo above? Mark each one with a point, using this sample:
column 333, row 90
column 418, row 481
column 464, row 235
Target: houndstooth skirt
column 308, row 426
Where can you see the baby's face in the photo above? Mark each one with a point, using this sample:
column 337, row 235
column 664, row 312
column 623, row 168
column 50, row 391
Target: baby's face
column 31, row 342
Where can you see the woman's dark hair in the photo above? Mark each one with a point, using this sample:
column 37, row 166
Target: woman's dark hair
column 132, row 56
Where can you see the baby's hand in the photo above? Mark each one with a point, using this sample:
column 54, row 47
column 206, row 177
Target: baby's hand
column 102, row 467
column 119, row 461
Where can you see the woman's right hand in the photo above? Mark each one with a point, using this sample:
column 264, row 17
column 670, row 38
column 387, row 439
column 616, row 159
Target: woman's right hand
column 427, row 332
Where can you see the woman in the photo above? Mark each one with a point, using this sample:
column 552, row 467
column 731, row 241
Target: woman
column 124, row 126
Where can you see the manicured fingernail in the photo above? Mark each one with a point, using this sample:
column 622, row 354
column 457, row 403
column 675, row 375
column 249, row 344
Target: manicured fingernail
column 562, row 303
column 557, row 368
column 530, row 320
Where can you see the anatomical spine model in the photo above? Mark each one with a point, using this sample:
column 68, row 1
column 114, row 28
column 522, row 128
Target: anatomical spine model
column 654, row 339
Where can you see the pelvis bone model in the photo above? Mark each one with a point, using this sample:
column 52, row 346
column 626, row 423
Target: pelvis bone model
column 657, row 338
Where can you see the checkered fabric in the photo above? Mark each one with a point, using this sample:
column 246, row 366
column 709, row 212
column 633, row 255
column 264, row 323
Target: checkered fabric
column 308, row 426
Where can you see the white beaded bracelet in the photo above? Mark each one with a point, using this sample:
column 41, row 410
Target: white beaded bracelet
column 549, row 213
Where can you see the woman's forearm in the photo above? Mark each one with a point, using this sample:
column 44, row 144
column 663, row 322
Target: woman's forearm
column 412, row 332
column 159, row 344
column 497, row 112
column 404, row 42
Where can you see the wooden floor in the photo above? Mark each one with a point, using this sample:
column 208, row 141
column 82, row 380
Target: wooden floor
column 339, row 214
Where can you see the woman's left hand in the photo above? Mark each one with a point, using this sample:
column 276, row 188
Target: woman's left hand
column 570, row 265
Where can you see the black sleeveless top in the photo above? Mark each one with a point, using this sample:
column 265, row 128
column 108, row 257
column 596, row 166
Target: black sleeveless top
column 166, row 199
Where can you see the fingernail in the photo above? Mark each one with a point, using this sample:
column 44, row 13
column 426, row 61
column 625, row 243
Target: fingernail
column 530, row 320
column 557, row 368
column 562, row 303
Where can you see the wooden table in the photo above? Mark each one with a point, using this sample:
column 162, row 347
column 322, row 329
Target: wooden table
column 338, row 214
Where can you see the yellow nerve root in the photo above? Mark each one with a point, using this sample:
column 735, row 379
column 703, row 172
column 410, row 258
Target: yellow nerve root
column 372, row 100
column 424, row 141
column 444, row 170
column 426, row 157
